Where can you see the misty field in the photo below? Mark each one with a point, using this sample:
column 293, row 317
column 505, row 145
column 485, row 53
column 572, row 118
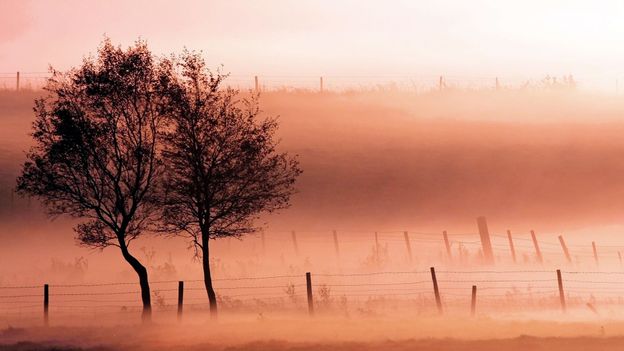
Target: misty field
column 385, row 175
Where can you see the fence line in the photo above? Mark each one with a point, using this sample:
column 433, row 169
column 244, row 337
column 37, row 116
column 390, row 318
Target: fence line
column 498, row 290
column 461, row 247
column 344, row 83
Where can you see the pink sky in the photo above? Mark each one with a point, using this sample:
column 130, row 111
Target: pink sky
column 525, row 39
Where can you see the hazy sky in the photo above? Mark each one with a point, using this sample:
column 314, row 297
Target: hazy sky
column 276, row 37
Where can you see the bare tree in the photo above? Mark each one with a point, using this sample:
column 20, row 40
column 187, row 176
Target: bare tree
column 222, row 166
column 96, row 148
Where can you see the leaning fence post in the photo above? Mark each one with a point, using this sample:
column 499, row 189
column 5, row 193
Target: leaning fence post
column 309, row 289
column 409, row 247
column 538, row 252
column 511, row 246
column 447, row 244
column 180, row 298
column 294, row 240
column 336, row 246
column 561, row 293
column 595, row 252
column 486, row 244
column 436, row 290
column 565, row 249
column 46, row 303
column 473, row 301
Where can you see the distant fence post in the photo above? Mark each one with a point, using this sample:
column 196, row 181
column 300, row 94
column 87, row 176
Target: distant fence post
column 180, row 298
column 263, row 241
column 377, row 260
column 257, row 84
column 336, row 245
column 511, row 246
column 595, row 252
column 497, row 84
column 17, row 81
column 447, row 244
column 310, row 298
column 409, row 247
column 46, row 304
column 565, row 249
column 486, row 244
column 436, row 290
column 321, row 85
column 538, row 252
column 620, row 257
column 473, row 301
column 561, row 293
column 294, row 240
column 441, row 83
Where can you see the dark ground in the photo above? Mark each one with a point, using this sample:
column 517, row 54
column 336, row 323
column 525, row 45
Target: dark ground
column 519, row 343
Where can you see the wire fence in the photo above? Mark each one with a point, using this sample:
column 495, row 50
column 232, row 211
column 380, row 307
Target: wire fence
column 390, row 249
column 418, row 83
column 389, row 293
column 383, row 249
column 396, row 249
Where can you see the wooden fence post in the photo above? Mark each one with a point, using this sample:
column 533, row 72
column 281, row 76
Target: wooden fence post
column 565, row 249
column 336, row 245
column 561, row 293
column 511, row 246
column 486, row 244
column 46, row 304
column 436, row 290
column 263, row 241
column 595, row 252
column 409, row 247
column 321, row 86
column 441, row 83
column 309, row 290
column 17, row 81
column 257, row 84
column 294, row 240
column 473, row 301
column 180, row 298
column 448, row 245
column 538, row 252
column 497, row 84
column 620, row 257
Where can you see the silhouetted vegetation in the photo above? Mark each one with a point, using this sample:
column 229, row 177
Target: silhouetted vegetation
column 222, row 165
column 99, row 155
column 95, row 155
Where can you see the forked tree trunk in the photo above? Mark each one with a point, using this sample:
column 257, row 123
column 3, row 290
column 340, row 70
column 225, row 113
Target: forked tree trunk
column 212, row 297
column 141, row 271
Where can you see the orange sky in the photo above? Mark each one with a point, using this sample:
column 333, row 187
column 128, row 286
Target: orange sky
column 470, row 39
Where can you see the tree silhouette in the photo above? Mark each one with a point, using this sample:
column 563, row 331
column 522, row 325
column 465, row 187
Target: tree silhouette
column 222, row 166
column 95, row 155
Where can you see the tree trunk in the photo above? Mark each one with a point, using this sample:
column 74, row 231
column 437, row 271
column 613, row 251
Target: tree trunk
column 212, row 297
column 143, row 281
